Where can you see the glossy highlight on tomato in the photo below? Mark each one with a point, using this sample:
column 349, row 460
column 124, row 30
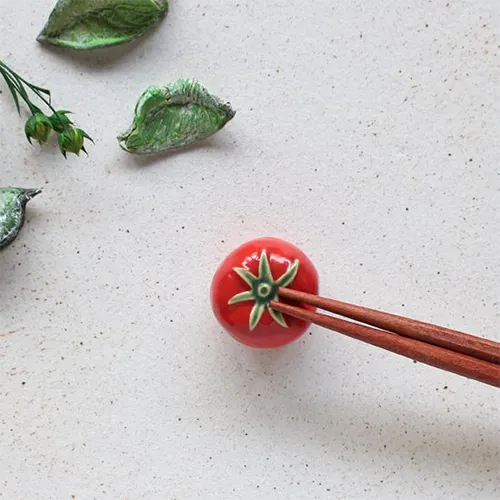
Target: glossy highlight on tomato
column 248, row 279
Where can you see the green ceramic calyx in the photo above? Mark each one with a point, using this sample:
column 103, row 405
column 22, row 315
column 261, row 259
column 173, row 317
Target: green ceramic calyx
column 12, row 211
column 263, row 289
column 174, row 116
column 89, row 24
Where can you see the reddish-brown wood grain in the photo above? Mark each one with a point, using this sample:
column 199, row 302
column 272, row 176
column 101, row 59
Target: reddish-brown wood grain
column 457, row 352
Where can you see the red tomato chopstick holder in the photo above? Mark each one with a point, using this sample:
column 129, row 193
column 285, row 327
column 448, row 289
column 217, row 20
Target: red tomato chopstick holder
column 265, row 295
column 467, row 355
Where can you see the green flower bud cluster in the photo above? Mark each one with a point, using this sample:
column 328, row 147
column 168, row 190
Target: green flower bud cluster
column 71, row 139
column 39, row 126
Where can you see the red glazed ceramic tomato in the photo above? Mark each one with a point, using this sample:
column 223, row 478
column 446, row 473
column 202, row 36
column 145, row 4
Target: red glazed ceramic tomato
column 248, row 280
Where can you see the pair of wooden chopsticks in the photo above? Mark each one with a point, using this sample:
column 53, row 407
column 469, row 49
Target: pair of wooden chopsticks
column 456, row 352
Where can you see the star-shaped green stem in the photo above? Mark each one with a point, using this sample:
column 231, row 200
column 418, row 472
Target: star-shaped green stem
column 263, row 289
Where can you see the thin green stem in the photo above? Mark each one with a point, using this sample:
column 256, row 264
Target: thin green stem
column 17, row 82
column 11, row 88
column 14, row 88
column 44, row 100
column 34, row 89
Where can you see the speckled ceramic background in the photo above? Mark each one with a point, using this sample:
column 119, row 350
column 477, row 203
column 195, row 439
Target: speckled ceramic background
column 366, row 133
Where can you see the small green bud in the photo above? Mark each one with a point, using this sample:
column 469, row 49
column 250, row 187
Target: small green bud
column 60, row 121
column 38, row 127
column 71, row 141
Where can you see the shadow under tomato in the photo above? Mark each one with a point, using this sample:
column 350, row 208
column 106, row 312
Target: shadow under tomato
column 383, row 440
column 407, row 441
column 359, row 429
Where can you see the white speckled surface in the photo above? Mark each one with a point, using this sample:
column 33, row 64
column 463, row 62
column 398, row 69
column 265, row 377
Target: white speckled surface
column 367, row 133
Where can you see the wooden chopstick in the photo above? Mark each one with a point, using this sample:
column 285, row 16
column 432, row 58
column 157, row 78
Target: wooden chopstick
column 418, row 330
column 431, row 354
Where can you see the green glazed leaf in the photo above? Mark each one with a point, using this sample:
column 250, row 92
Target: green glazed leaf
column 289, row 276
column 264, row 268
column 12, row 210
column 246, row 275
column 174, row 116
column 255, row 315
column 89, row 24
column 278, row 317
column 241, row 297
